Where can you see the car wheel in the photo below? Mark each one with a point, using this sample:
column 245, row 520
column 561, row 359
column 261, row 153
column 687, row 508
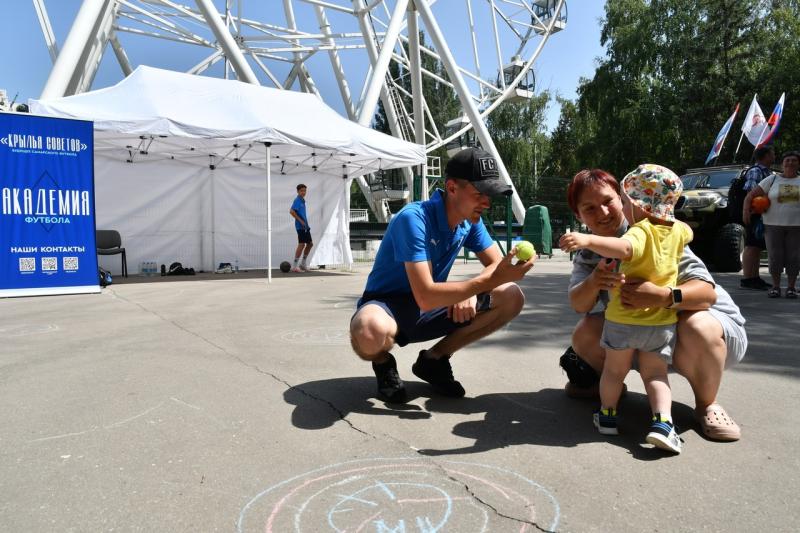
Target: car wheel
column 728, row 248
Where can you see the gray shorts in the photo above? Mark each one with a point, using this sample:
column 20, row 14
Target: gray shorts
column 656, row 339
column 735, row 338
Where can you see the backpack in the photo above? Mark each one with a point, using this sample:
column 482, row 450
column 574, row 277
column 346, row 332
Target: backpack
column 578, row 371
column 177, row 269
column 737, row 194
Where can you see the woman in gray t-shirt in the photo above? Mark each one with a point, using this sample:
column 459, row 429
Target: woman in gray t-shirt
column 710, row 330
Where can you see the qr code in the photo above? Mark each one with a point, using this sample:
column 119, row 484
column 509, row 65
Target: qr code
column 70, row 263
column 49, row 264
column 27, row 264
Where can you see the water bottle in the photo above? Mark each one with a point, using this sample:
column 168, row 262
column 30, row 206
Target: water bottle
column 236, row 266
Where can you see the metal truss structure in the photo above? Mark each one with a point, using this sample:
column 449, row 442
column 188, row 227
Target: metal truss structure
column 327, row 47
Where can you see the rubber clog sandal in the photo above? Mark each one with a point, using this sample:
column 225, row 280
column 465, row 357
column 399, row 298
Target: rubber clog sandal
column 717, row 424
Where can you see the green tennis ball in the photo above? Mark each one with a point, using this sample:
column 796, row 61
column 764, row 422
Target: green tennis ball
column 525, row 250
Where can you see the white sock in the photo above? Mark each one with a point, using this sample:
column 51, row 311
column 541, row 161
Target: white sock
column 296, row 259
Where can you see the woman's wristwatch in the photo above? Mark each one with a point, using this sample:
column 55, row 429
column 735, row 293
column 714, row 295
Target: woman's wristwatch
column 677, row 297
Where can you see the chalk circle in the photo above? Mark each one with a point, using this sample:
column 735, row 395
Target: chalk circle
column 317, row 336
column 402, row 494
column 27, row 329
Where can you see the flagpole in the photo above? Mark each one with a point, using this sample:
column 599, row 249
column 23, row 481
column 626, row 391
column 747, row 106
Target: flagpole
column 754, row 102
column 725, row 138
column 737, row 147
column 761, row 136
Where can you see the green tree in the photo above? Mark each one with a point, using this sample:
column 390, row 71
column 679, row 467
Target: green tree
column 672, row 73
column 517, row 129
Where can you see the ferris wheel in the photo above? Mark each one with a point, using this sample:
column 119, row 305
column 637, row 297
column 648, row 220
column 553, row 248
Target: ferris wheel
column 351, row 53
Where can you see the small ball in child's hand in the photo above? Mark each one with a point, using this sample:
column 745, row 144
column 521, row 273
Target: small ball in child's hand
column 525, row 250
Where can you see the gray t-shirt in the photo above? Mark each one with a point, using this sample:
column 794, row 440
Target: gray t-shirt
column 689, row 268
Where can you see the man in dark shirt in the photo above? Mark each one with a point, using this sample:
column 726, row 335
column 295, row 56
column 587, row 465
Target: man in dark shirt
column 754, row 240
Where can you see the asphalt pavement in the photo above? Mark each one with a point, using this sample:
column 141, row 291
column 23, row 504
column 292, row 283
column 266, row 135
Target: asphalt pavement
column 223, row 403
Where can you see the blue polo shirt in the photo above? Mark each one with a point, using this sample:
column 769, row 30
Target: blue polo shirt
column 419, row 232
column 299, row 206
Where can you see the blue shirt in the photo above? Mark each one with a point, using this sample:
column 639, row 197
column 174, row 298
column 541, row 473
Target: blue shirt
column 757, row 173
column 299, row 207
column 419, row 232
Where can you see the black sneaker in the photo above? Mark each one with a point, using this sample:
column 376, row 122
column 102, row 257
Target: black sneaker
column 664, row 435
column 439, row 374
column 390, row 386
column 754, row 284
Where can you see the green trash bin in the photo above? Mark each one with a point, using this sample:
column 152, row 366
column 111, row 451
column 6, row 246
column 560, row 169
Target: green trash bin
column 537, row 230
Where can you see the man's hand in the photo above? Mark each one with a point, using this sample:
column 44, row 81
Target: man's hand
column 604, row 278
column 463, row 311
column 506, row 271
column 639, row 294
column 571, row 242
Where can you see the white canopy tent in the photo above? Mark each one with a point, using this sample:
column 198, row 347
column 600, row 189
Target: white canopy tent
column 180, row 167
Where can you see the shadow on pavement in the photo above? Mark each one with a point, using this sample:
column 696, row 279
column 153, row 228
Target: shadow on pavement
column 549, row 418
column 320, row 404
column 546, row 417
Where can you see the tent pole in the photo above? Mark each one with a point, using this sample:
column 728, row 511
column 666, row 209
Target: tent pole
column 269, row 213
column 213, row 223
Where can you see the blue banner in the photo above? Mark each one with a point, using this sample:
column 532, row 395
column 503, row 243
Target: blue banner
column 47, row 222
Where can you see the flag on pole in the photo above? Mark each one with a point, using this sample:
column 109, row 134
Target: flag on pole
column 716, row 148
column 773, row 122
column 754, row 123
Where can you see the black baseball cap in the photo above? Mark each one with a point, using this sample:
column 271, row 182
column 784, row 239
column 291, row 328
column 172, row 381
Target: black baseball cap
column 479, row 168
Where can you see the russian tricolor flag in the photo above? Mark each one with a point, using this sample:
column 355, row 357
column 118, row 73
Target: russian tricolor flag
column 773, row 122
column 723, row 133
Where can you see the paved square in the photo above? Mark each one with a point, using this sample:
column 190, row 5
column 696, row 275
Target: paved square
column 219, row 403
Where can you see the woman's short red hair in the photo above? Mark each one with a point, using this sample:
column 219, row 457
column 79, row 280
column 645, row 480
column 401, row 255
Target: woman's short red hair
column 585, row 178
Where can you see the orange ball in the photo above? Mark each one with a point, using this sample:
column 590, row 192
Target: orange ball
column 759, row 204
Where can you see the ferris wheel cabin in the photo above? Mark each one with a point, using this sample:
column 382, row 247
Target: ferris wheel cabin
column 544, row 11
column 468, row 139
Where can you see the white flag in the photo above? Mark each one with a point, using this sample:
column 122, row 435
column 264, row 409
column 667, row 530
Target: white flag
column 754, row 123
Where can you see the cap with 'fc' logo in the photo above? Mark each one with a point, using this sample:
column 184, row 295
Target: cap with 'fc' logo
column 480, row 169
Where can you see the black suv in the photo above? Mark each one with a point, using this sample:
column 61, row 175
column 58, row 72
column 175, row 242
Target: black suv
column 704, row 206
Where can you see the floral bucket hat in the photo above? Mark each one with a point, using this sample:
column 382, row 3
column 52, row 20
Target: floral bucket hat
column 655, row 189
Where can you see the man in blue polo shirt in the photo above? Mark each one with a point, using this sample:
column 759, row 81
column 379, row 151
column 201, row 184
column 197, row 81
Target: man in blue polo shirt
column 304, row 243
column 408, row 298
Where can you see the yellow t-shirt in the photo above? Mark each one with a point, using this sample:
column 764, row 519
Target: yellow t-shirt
column 656, row 251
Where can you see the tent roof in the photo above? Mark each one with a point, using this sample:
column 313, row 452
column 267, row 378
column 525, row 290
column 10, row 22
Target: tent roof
column 161, row 113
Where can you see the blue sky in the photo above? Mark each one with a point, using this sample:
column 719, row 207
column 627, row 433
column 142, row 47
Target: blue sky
column 25, row 62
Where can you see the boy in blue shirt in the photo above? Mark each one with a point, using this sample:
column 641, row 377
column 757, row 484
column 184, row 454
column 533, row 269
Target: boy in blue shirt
column 408, row 298
column 304, row 243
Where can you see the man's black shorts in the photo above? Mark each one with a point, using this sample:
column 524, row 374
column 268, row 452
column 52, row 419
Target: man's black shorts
column 412, row 324
column 304, row 236
column 750, row 238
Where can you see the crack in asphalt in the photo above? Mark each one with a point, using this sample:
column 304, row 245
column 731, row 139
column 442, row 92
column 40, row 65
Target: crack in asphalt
column 289, row 386
column 487, row 504
column 342, row 416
